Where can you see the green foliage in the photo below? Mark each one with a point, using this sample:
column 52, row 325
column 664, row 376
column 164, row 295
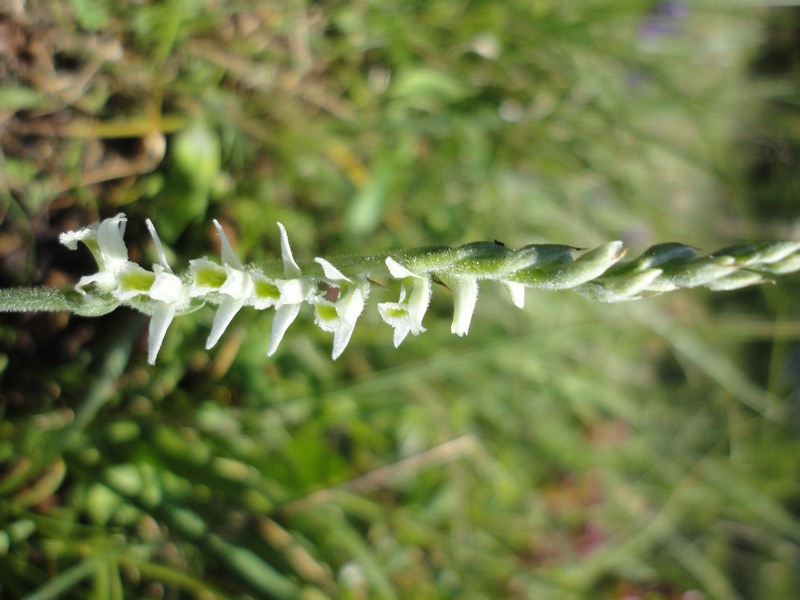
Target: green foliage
column 572, row 449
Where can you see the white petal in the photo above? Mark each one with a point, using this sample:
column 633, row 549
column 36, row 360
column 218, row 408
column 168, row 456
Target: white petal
column 400, row 323
column 70, row 239
column 325, row 322
column 517, row 292
column 340, row 341
column 350, row 307
column 397, row 270
column 402, row 294
column 223, row 317
column 110, row 241
column 159, row 323
column 292, row 292
column 402, row 329
column 331, row 272
column 284, row 316
column 228, row 257
column 162, row 257
column 400, row 333
column 238, row 283
column 465, row 292
column 166, row 288
column 290, row 267
column 418, row 302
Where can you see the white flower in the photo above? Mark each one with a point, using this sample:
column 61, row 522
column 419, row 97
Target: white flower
column 169, row 295
column 126, row 281
column 340, row 317
column 108, row 248
column 517, row 293
column 237, row 287
column 465, row 296
column 294, row 290
column 406, row 315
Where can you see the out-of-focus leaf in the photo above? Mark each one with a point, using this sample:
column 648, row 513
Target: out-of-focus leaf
column 427, row 89
column 17, row 97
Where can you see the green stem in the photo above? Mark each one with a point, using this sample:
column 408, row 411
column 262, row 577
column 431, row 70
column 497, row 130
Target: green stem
column 45, row 299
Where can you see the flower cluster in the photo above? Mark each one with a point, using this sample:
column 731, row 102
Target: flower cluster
column 230, row 286
column 126, row 281
column 338, row 293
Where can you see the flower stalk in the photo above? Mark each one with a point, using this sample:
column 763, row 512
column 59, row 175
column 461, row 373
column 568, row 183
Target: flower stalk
column 338, row 290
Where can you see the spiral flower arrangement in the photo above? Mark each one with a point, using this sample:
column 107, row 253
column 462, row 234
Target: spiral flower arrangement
column 338, row 292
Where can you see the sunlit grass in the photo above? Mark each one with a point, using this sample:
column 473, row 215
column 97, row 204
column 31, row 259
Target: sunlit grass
column 571, row 449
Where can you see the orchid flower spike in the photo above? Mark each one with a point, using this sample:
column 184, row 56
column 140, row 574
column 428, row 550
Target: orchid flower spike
column 339, row 294
column 159, row 292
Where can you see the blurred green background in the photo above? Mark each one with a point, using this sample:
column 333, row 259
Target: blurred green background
column 569, row 450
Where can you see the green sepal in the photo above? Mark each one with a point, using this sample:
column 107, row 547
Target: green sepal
column 484, row 260
column 699, row 272
column 620, row 287
column 559, row 274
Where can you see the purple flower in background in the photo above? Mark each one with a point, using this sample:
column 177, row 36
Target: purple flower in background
column 664, row 19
